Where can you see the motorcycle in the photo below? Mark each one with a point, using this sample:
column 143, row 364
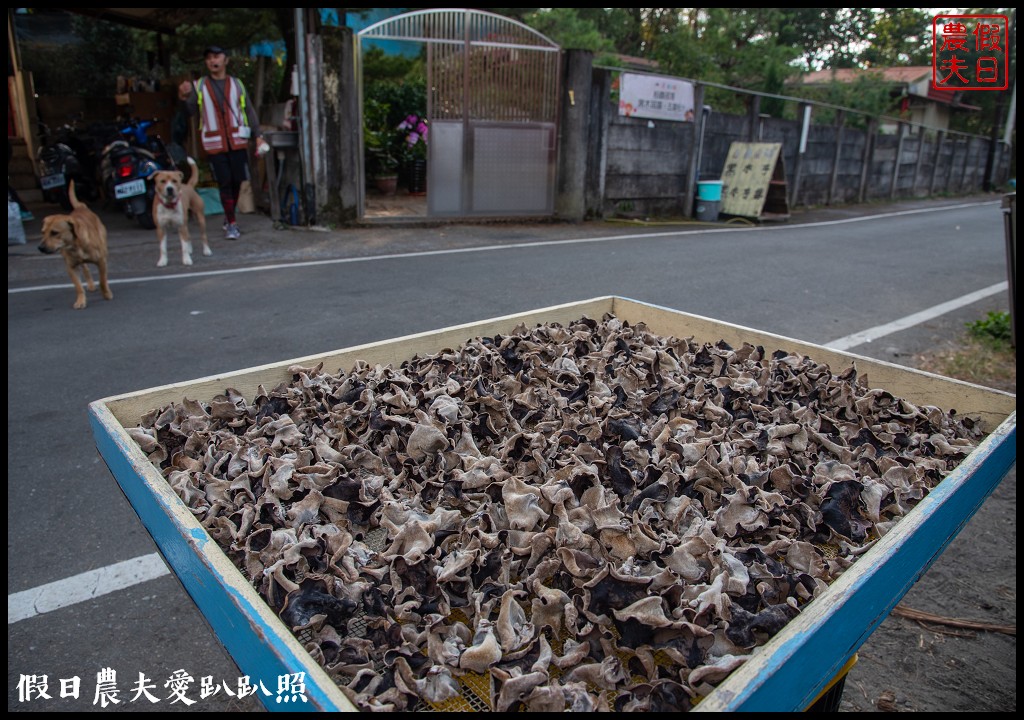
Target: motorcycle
column 128, row 165
column 66, row 155
column 126, row 171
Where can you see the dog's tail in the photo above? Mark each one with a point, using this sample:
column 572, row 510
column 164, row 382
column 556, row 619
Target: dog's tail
column 75, row 202
column 193, row 175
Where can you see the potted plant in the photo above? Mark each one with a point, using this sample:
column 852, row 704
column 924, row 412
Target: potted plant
column 415, row 131
column 383, row 153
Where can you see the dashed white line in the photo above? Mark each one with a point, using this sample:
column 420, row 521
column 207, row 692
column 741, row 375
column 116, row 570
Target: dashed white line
column 871, row 334
column 84, row 586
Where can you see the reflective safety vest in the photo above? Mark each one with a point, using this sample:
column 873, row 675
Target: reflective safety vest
column 221, row 121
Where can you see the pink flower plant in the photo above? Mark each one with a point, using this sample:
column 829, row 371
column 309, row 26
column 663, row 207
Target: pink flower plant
column 416, row 130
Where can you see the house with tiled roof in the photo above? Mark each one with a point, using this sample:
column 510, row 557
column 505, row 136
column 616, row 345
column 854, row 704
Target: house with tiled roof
column 914, row 99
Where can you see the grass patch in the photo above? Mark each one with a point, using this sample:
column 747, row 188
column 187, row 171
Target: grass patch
column 993, row 330
column 983, row 356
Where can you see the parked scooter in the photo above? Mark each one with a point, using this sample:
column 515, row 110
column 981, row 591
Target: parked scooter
column 66, row 155
column 126, row 171
column 127, row 168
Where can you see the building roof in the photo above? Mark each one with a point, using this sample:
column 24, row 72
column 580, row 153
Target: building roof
column 915, row 80
column 895, row 75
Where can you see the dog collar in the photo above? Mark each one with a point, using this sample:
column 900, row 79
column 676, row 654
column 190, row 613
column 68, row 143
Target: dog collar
column 169, row 206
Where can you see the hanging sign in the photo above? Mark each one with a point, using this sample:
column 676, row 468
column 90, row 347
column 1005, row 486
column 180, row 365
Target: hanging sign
column 656, row 97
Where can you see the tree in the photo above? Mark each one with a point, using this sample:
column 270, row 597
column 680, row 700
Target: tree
column 568, row 28
column 898, row 36
column 826, row 37
column 71, row 42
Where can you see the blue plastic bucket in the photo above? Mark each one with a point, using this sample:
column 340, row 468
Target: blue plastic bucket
column 709, row 190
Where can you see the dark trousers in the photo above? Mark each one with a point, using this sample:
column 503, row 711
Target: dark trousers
column 230, row 170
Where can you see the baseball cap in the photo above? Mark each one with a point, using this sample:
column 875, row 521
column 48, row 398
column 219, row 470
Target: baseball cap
column 214, row 50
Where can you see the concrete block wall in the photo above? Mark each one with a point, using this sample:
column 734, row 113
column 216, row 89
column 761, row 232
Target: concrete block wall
column 639, row 168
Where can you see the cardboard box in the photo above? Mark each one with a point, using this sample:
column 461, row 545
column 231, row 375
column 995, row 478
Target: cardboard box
column 786, row 674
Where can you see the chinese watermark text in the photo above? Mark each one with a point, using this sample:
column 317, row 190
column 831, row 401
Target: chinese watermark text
column 178, row 688
column 969, row 52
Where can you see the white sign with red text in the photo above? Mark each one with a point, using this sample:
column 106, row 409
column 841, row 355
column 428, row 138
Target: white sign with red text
column 656, row 97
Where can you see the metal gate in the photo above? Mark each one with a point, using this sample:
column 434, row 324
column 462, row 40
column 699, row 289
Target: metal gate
column 492, row 106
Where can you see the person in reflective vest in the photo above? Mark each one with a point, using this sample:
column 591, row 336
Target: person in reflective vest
column 227, row 123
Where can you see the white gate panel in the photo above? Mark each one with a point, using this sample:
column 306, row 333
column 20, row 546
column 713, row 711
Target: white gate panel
column 492, row 105
column 513, row 168
column 444, row 184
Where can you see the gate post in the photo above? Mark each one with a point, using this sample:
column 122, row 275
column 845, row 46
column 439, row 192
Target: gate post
column 339, row 112
column 339, row 107
column 574, row 125
column 597, row 145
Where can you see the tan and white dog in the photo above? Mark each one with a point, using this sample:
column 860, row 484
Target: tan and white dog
column 172, row 203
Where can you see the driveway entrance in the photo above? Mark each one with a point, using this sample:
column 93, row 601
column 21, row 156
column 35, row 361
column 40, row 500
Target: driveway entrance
column 492, row 104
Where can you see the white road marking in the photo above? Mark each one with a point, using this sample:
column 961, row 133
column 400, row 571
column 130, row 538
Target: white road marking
column 490, row 248
column 88, row 585
column 871, row 334
column 84, row 586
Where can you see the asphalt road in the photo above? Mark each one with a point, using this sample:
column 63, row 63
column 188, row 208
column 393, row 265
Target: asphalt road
column 279, row 294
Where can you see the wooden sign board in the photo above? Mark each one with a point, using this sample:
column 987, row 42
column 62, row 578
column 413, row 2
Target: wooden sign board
column 754, row 181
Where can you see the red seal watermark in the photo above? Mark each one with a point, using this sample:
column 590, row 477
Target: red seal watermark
column 969, row 52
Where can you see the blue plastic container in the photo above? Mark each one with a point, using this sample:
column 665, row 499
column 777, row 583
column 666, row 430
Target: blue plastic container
column 709, row 190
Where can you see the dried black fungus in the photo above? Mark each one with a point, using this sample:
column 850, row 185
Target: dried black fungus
column 631, row 511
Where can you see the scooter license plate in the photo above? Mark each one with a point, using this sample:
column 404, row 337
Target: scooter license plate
column 52, row 181
column 130, row 189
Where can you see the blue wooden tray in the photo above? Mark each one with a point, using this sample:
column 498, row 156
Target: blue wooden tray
column 786, row 674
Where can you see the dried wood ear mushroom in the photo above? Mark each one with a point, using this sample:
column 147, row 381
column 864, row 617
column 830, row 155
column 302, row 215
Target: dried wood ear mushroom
column 568, row 517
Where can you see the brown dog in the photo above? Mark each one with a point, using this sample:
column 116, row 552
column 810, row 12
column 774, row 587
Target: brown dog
column 81, row 237
column 172, row 203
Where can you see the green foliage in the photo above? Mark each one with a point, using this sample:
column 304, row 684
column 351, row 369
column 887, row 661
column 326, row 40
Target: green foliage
column 566, row 27
column 381, row 142
column 107, row 48
column 753, row 48
column 380, row 67
column 992, row 330
column 864, row 94
column 399, row 99
column 899, row 36
column 718, row 45
column 393, row 88
column 824, row 37
column 762, row 48
column 234, row 29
